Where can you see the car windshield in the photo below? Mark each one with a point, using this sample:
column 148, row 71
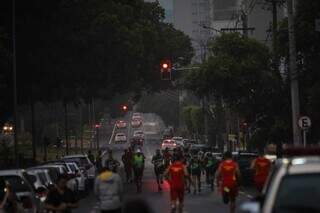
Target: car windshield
column 42, row 177
column 17, row 183
column 298, row 193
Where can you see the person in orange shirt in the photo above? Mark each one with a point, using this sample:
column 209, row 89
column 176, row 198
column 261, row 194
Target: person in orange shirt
column 261, row 167
column 176, row 174
column 228, row 178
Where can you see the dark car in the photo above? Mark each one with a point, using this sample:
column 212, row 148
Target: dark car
column 244, row 160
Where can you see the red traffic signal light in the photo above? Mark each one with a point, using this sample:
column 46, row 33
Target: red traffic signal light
column 165, row 66
column 165, row 69
column 124, row 107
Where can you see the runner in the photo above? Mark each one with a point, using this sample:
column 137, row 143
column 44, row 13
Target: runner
column 261, row 167
column 176, row 174
column 127, row 164
column 61, row 199
column 195, row 170
column 138, row 167
column 109, row 191
column 228, row 178
column 158, row 162
column 210, row 166
column 112, row 163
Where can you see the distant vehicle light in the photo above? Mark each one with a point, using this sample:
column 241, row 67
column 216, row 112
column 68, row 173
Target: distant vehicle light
column 165, row 66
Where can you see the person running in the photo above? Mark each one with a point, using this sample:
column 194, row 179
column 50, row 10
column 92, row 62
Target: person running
column 61, row 199
column 91, row 157
column 167, row 157
column 108, row 189
column 176, row 174
column 99, row 161
column 158, row 162
column 138, row 168
column 127, row 163
column 112, row 163
column 228, row 178
column 195, row 170
column 261, row 167
column 210, row 164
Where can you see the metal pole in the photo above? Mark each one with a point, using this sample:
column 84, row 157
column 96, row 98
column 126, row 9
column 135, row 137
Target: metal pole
column 293, row 76
column 275, row 34
column 14, row 78
column 304, row 138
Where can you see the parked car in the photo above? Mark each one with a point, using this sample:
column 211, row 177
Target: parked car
column 63, row 169
column 84, row 163
column 79, row 176
column 39, row 182
column 25, row 192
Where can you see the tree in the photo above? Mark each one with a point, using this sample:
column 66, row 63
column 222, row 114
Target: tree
column 239, row 76
column 308, row 48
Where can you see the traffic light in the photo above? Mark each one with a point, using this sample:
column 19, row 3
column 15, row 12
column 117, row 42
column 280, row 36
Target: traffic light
column 124, row 108
column 165, row 69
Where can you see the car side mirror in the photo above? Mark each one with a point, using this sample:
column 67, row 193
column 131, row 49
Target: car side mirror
column 250, row 207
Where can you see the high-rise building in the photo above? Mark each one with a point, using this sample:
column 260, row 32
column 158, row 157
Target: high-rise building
column 190, row 16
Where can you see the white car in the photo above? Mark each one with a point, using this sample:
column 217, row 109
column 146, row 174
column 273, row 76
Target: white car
column 121, row 124
column 136, row 123
column 292, row 186
column 79, row 176
column 168, row 143
column 136, row 116
column 178, row 141
column 138, row 134
column 19, row 181
column 83, row 162
column 120, row 137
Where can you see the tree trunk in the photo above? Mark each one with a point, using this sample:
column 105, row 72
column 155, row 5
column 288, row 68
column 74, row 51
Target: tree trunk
column 33, row 125
column 66, row 126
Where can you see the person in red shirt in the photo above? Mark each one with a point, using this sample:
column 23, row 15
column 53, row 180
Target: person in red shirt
column 261, row 167
column 176, row 174
column 228, row 176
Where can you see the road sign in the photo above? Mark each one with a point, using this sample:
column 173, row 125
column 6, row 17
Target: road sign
column 304, row 122
column 317, row 25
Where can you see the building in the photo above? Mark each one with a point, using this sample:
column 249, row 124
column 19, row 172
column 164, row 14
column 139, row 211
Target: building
column 190, row 16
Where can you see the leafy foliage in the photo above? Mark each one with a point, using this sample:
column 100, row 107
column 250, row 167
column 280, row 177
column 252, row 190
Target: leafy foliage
column 71, row 50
